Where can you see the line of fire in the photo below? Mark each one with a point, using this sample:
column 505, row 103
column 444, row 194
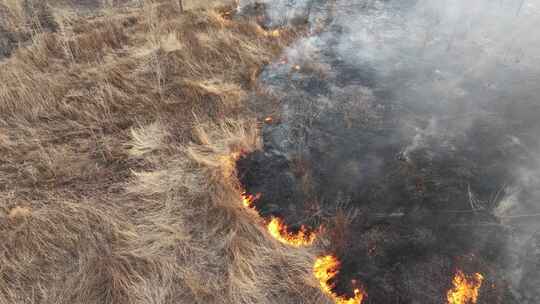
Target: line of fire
column 400, row 174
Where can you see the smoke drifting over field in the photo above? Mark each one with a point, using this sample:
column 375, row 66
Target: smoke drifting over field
column 421, row 117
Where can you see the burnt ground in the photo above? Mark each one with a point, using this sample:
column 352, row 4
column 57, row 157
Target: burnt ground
column 416, row 223
column 338, row 145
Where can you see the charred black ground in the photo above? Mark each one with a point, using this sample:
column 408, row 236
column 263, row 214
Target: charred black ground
column 427, row 203
column 419, row 219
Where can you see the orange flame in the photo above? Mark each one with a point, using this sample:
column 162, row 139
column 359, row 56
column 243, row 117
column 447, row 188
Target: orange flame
column 248, row 200
column 465, row 289
column 279, row 231
column 326, row 269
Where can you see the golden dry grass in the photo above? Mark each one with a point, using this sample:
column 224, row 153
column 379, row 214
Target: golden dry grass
column 117, row 182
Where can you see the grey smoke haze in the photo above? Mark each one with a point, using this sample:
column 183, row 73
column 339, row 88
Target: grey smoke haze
column 460, row 61
column 461, row 71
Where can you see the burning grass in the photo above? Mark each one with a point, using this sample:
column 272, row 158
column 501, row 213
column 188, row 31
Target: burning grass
column 466, row 288
column 281, row 232
column 325, row 269
column 120, row 133
column 276, row 226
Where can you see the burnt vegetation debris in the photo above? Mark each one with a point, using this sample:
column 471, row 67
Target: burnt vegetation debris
column 424, row 174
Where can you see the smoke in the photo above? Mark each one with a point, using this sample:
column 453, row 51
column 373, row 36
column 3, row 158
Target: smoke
column 460, row 63
column 421, row 107
column 520, row 210
column 456, row 60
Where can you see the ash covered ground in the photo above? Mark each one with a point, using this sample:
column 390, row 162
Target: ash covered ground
column 420, row 122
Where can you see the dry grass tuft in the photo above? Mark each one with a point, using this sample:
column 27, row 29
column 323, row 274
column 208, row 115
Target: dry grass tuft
column 118, row 133
column 19, row 212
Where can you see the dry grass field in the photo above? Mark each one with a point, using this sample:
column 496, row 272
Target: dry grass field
column 119, row 123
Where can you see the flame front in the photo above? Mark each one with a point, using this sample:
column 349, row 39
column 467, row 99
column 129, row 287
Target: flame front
column 466, row 288
column 280, row 231
column 248, row 200
column 326, row 269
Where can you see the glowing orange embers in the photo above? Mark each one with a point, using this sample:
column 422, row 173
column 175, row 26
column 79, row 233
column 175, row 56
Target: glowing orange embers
column 325, row 269
column 466, row 288
column 248, row 200
column 279, row 230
